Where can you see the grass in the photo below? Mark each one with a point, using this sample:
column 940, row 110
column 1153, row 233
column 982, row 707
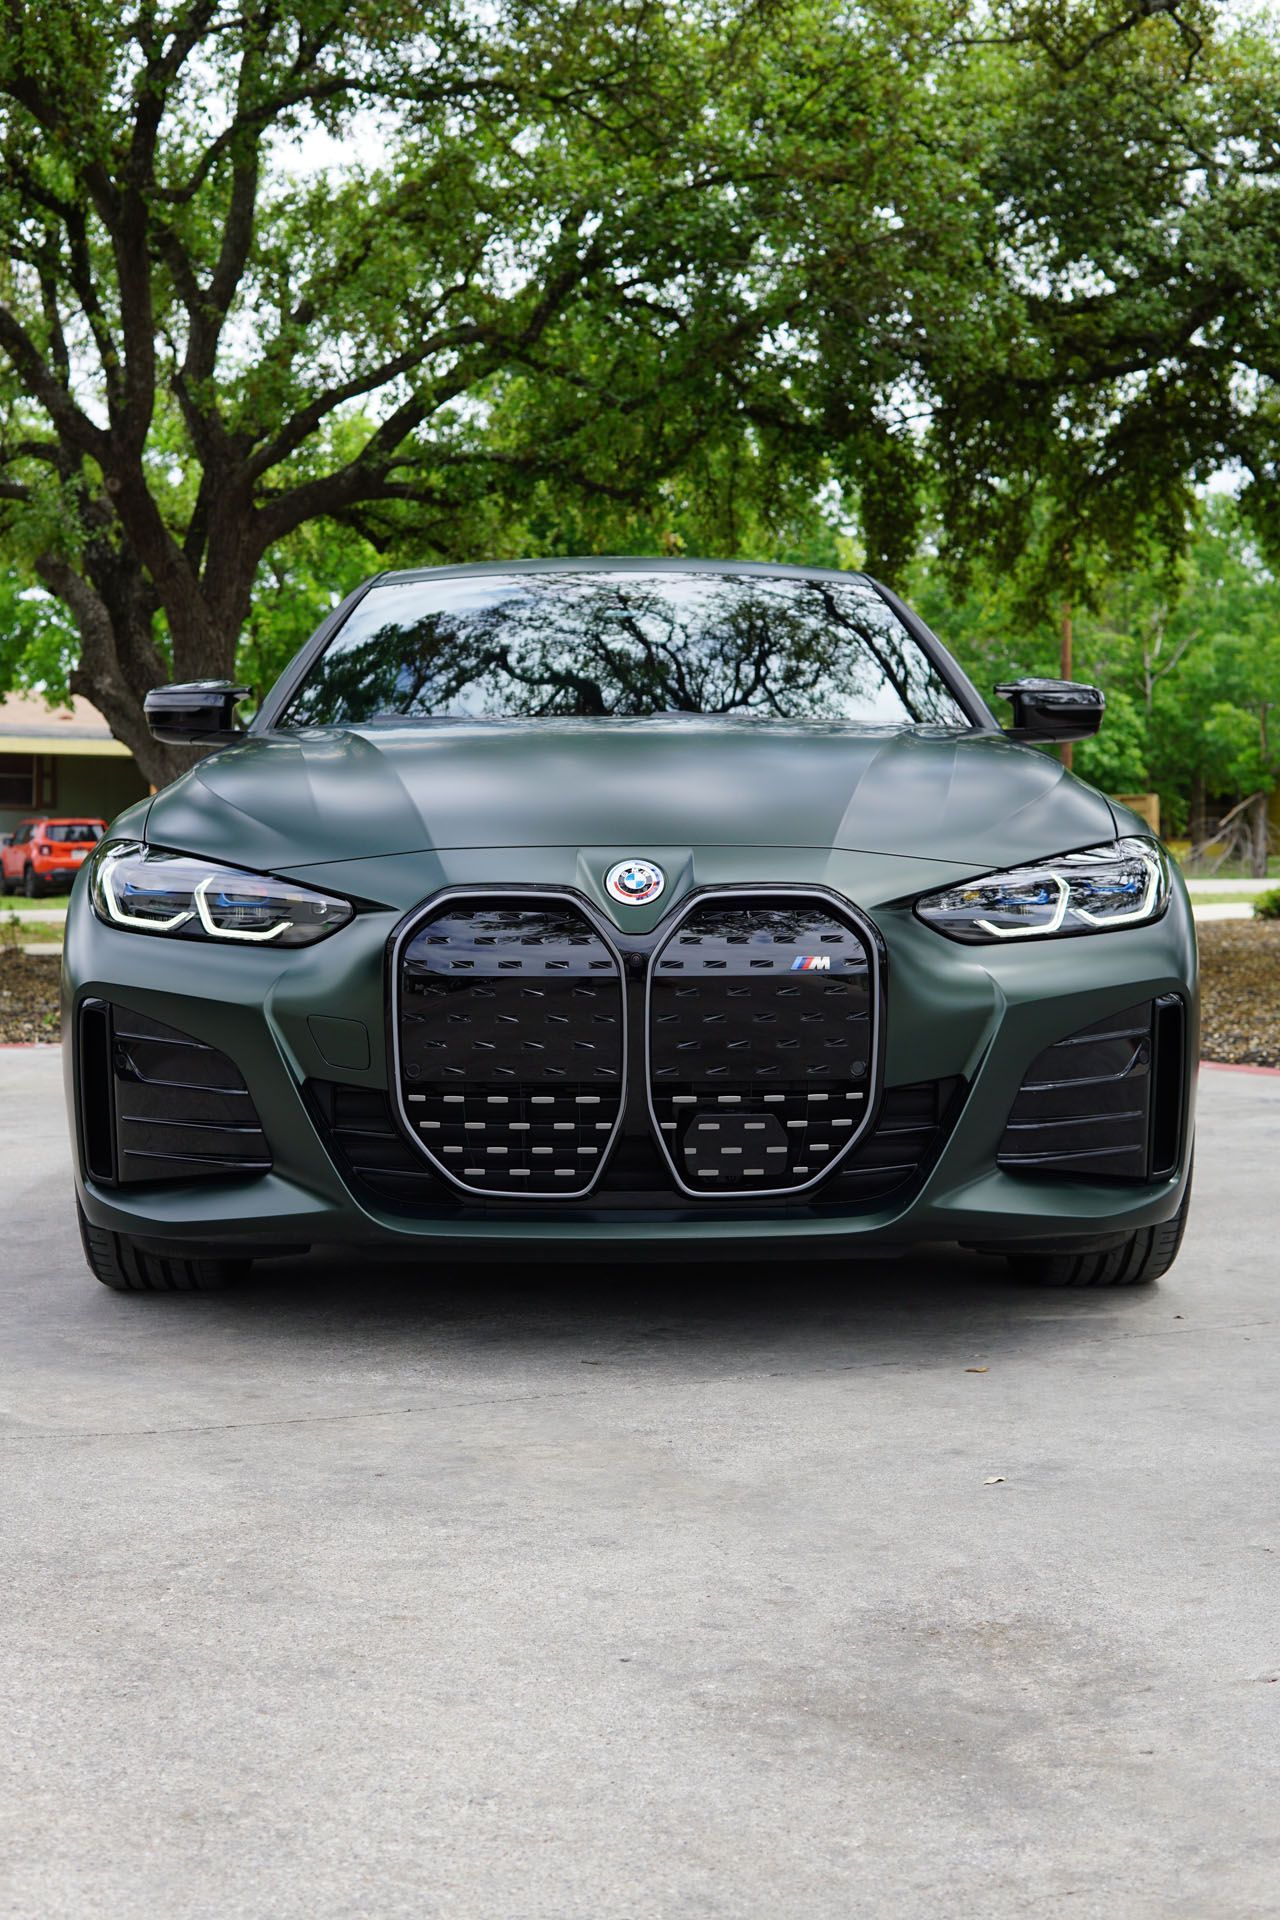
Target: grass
column 41, row 930
column 16, row 933
column 1232, row 871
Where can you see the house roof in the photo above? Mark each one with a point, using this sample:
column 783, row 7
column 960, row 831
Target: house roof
column 28, row 724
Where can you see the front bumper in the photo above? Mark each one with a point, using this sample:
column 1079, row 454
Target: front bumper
column 980, row 1015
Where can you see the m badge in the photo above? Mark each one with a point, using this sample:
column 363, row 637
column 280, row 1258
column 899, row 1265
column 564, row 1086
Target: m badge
column 811, row 963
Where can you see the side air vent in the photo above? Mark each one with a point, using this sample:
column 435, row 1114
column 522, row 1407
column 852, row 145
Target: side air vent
column 761, row 1043
column 1105, row 1103
column 510, row 1044
column 97, row 1091
column 156, row 1104
column 1168, row 1086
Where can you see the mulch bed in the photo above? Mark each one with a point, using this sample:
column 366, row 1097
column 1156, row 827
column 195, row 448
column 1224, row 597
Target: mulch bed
column 1240, row 960
column 1240, row 1002
column 29, row 996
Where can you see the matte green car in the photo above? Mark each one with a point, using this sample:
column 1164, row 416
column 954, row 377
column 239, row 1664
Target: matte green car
column 591, row 908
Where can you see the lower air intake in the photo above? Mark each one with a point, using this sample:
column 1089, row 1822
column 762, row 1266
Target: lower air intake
column 761, row 1041
column 510, row 1045
column 157, row 1104
column 1105, row 1103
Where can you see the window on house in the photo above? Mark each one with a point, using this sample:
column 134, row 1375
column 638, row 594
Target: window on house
column 18, row 780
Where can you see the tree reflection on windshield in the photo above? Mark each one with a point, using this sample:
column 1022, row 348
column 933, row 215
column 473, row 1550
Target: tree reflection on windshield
column 624, row 645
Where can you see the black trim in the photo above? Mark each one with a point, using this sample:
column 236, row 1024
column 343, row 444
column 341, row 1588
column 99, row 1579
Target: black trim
column 1168, row 1083
column 95, row 1089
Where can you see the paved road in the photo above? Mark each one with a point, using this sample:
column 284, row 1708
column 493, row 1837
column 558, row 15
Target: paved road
column 505, row 1594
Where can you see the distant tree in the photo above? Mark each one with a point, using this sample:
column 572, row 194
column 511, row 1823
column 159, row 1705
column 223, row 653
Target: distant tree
column 1127, row 159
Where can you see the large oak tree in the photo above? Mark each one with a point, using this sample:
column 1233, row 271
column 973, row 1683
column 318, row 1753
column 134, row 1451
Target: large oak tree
column 275, row 262
column 449, row 278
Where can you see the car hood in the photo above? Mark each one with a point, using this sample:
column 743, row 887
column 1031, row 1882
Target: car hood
column 291, row 799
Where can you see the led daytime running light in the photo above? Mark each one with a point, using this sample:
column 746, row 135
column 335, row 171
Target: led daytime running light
column 179, row 896
column 1123, row 883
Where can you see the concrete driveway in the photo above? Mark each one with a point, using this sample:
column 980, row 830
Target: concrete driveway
column 508, row 1593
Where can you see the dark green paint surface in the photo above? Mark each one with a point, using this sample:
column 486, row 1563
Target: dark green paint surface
column 296, row 799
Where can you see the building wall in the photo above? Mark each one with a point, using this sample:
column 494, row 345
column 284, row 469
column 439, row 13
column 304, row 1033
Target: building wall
column 97, row 785
column 101, row 788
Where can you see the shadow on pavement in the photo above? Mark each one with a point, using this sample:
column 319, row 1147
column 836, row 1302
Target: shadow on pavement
column 889, row 1309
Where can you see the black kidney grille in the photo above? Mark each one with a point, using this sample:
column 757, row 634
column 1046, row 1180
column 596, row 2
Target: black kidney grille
column 760, row 1044
column 510, row 1024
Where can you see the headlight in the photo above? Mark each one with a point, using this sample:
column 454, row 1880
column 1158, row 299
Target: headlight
column 1119, row 885
column 149, row 891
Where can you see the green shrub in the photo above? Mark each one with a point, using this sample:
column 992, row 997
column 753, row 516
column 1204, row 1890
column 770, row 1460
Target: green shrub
column 1267, row 905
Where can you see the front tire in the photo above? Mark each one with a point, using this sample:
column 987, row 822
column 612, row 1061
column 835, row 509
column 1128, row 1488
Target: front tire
column 1139, row 1259
column 121, row 1264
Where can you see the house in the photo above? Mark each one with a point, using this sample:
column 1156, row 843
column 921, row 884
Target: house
column 62, row 760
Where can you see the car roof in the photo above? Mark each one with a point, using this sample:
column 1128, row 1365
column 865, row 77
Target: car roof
column 620, row 563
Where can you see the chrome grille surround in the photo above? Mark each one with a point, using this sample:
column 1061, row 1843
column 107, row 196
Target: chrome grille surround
column 783, row 1095
column 508, row 1041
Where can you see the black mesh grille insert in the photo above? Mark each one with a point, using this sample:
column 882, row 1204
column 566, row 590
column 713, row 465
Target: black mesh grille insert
column 910, row 1129
column 378, row 1162
column 760, row 1044
column 511, row 1045
column 180, row 1109
column 1086, row 1105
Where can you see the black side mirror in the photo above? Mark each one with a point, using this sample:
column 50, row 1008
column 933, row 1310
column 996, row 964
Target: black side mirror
column 1053, row 709
column 200, row 713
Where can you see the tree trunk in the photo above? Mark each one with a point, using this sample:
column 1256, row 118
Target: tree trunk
column 119, row 661
column 1197, row 825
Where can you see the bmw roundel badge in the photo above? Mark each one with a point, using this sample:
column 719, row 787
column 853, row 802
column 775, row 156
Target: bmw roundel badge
column 634, row 882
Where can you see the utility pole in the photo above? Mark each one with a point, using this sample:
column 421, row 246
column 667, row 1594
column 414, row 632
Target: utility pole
column 1067, row 670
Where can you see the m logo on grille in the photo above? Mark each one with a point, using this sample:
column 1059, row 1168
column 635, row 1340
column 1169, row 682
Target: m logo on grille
column 811, row 963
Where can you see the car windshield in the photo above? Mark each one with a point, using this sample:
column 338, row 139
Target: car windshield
column 77, row 830
column 625, row 645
